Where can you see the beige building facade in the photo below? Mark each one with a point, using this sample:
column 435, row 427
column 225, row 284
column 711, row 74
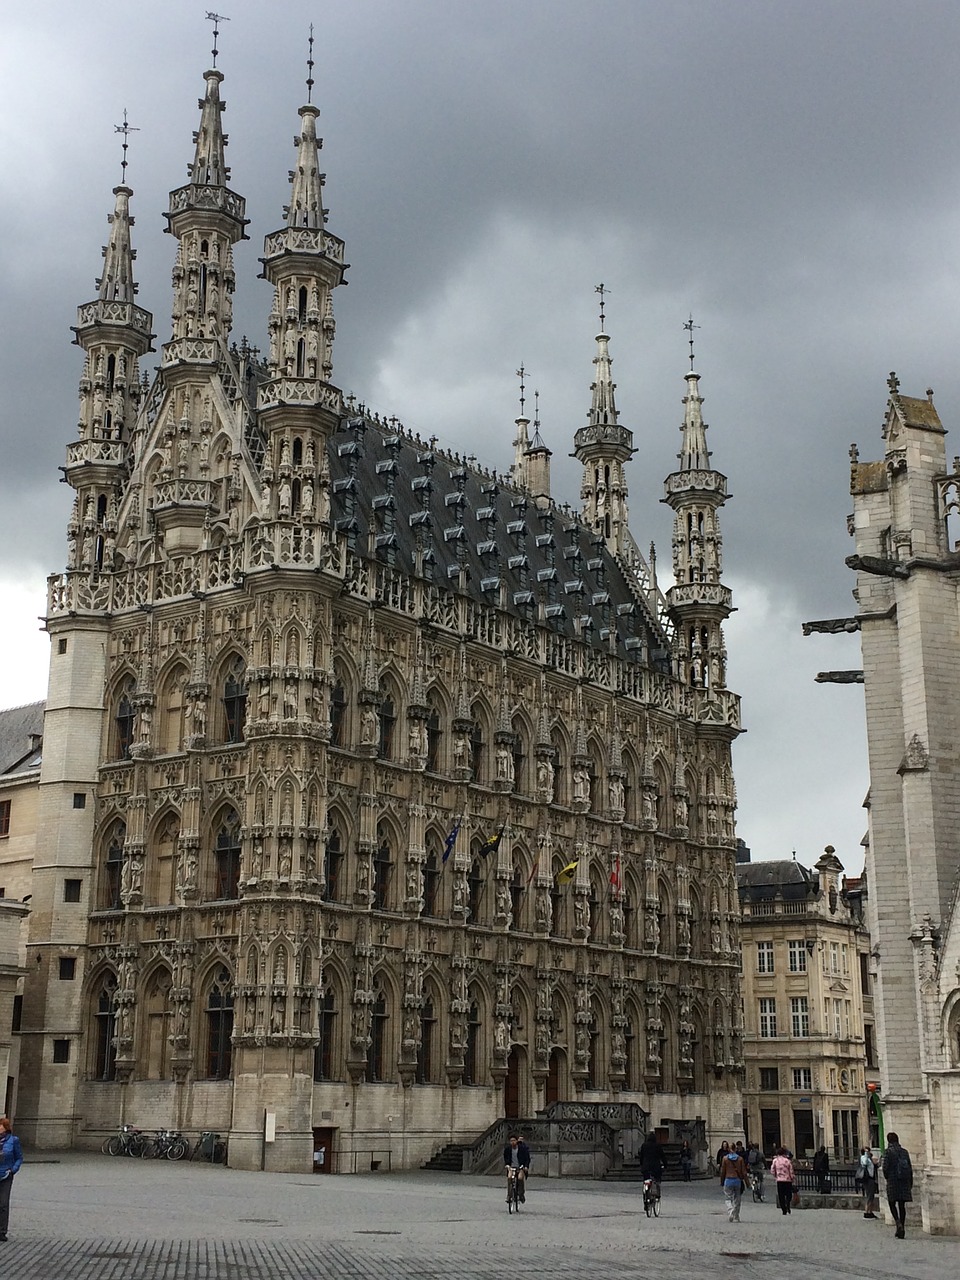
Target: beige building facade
column 410, row 794
column 809, row 1036
column 907, row 569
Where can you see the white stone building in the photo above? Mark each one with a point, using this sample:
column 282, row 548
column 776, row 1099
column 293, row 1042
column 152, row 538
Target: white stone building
column 295, row 649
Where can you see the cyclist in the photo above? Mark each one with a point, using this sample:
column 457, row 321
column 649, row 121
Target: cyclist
column 755, row 1169
column 651, row 1161
column 516, row 1155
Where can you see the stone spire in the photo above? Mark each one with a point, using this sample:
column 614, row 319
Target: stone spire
column 208, row 219
column 113, row 332
column 603, row 446
column 698, row 602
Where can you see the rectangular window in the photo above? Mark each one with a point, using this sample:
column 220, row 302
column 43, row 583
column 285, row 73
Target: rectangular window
column 869, row 1048
column 61, row 1050
column 798, row 956
column 68, row 968
column 864, row 973
column 764, row 957
column 79, row 799
column 17, row 1013
column 834, row 957
column 768, row 1018
column 4, row 817
column 837, row 1018
column 71, row 890
column 61, row 646
column 770, row 1079
column 845, row 958
column 799, row 1016
column 802, row 1078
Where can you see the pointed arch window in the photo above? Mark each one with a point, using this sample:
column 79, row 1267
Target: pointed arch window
column 434, row 740
column 125, row 722
column 298, row 449
column 629, row 920
column 518, row 751
column 478, row 752
column 323, row 1055
column 632, row 1074
column 227, row 857
column 338, row 715
column 594, row 903
column 235, row 702
column 158, row 1013
column 387, row 716
column 593, row 1050
column 332, row 866
column 426, row 1065
column 377, row 1052
column 382, row 875
column 474, row 892
column 471, row 1057
column 302, row 305
column 431, row 885
column 219, row 1014
column 105, row 1029
column 111, row 899
column 557, row 900
column 517, row 891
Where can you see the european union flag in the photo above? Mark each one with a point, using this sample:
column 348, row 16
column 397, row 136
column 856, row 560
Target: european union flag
column 451, row 840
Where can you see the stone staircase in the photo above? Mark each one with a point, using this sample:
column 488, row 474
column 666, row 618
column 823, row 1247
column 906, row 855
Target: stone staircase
column 448, row 1159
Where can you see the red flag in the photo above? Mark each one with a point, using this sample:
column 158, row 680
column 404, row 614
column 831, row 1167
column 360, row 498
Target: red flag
column 533, row 870
column 616, row 878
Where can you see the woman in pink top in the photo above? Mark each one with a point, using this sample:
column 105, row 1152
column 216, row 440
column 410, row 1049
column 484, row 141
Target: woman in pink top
column 782, row 1169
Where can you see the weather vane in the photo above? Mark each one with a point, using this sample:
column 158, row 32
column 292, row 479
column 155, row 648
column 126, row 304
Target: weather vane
column 603, row 291
column 310, row 67
column 690, row 326
column 521, row 374
column 216, row 19
column 126, row 129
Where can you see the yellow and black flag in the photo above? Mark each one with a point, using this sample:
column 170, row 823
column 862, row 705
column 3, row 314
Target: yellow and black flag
column 492, row 844
column 569, row 872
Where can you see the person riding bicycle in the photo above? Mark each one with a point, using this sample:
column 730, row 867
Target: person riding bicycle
column 516, row 1156
column 651, row 1160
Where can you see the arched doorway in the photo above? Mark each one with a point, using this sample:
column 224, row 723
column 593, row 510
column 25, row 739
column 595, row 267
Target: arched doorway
column 554, row 1090
column 511, row 1086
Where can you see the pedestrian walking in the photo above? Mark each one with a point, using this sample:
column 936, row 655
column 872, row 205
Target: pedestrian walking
column 686, row 1161
column 733, row 1179
column 11, row 1158
column 781, row 1166
column 898, row 1172
column 821, row 1170
column 867, row 1173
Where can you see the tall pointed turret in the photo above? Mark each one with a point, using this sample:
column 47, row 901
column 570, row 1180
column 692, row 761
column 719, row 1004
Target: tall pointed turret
column 603, row 446
column 698, row 602
column 208, row 220
column 114, row 332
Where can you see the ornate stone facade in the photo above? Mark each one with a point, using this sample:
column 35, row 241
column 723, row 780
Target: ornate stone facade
column 348, row 705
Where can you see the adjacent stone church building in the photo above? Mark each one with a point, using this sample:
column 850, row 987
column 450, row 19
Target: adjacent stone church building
column 381, row 795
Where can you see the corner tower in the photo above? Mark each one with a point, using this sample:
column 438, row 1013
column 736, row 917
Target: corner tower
column 699, row 603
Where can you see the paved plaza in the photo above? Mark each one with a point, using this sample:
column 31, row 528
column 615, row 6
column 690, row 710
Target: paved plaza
column 91, row 1217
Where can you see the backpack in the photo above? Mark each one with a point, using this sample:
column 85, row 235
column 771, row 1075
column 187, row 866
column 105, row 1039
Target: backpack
column 903, row 1170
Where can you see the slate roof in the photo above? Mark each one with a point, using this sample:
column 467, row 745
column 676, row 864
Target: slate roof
column 394, row 495
column 783, row 876
column 17, row 754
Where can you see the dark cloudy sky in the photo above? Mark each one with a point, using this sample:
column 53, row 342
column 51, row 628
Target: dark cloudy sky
column 787, row 171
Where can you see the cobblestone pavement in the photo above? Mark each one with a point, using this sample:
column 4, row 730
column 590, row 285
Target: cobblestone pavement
column 96, row 1218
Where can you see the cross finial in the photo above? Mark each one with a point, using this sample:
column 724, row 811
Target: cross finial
column 690, row 326
column 310, row 67
column 126, row 129
column 216, row 19
column 893, row 382
column 521, row 374
column 602, row 289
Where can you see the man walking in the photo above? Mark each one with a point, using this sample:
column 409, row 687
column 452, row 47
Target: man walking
column 898, row 1172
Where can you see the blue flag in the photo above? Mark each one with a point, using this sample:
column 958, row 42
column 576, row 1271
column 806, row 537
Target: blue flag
column 451, row 840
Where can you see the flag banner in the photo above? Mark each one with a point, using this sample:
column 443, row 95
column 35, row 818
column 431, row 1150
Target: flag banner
column 568, row 873
column 616, row 878
column 451, row 840
column 492, row 844
column 533, row 870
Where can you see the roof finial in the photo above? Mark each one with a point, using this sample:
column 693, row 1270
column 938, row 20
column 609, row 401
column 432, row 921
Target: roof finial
column 521, row 374
column 690, row 326
column 310, row 67
column 216, row 19
column 536, row 410
column 126, row 129
column 602, row 289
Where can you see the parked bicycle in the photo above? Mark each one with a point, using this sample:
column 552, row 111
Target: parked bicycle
column 514, row 1190
column 166, row 1144
column 651, row 1197
column 210, row 1146
column 129, row 1141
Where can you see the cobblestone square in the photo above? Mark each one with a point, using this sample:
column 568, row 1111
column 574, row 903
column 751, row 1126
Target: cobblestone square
column 96, row 1218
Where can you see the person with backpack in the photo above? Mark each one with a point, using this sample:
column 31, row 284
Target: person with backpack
column 898, row 1173
column 867, row 1177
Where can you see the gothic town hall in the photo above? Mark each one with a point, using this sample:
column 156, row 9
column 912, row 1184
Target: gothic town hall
column 381, row 796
